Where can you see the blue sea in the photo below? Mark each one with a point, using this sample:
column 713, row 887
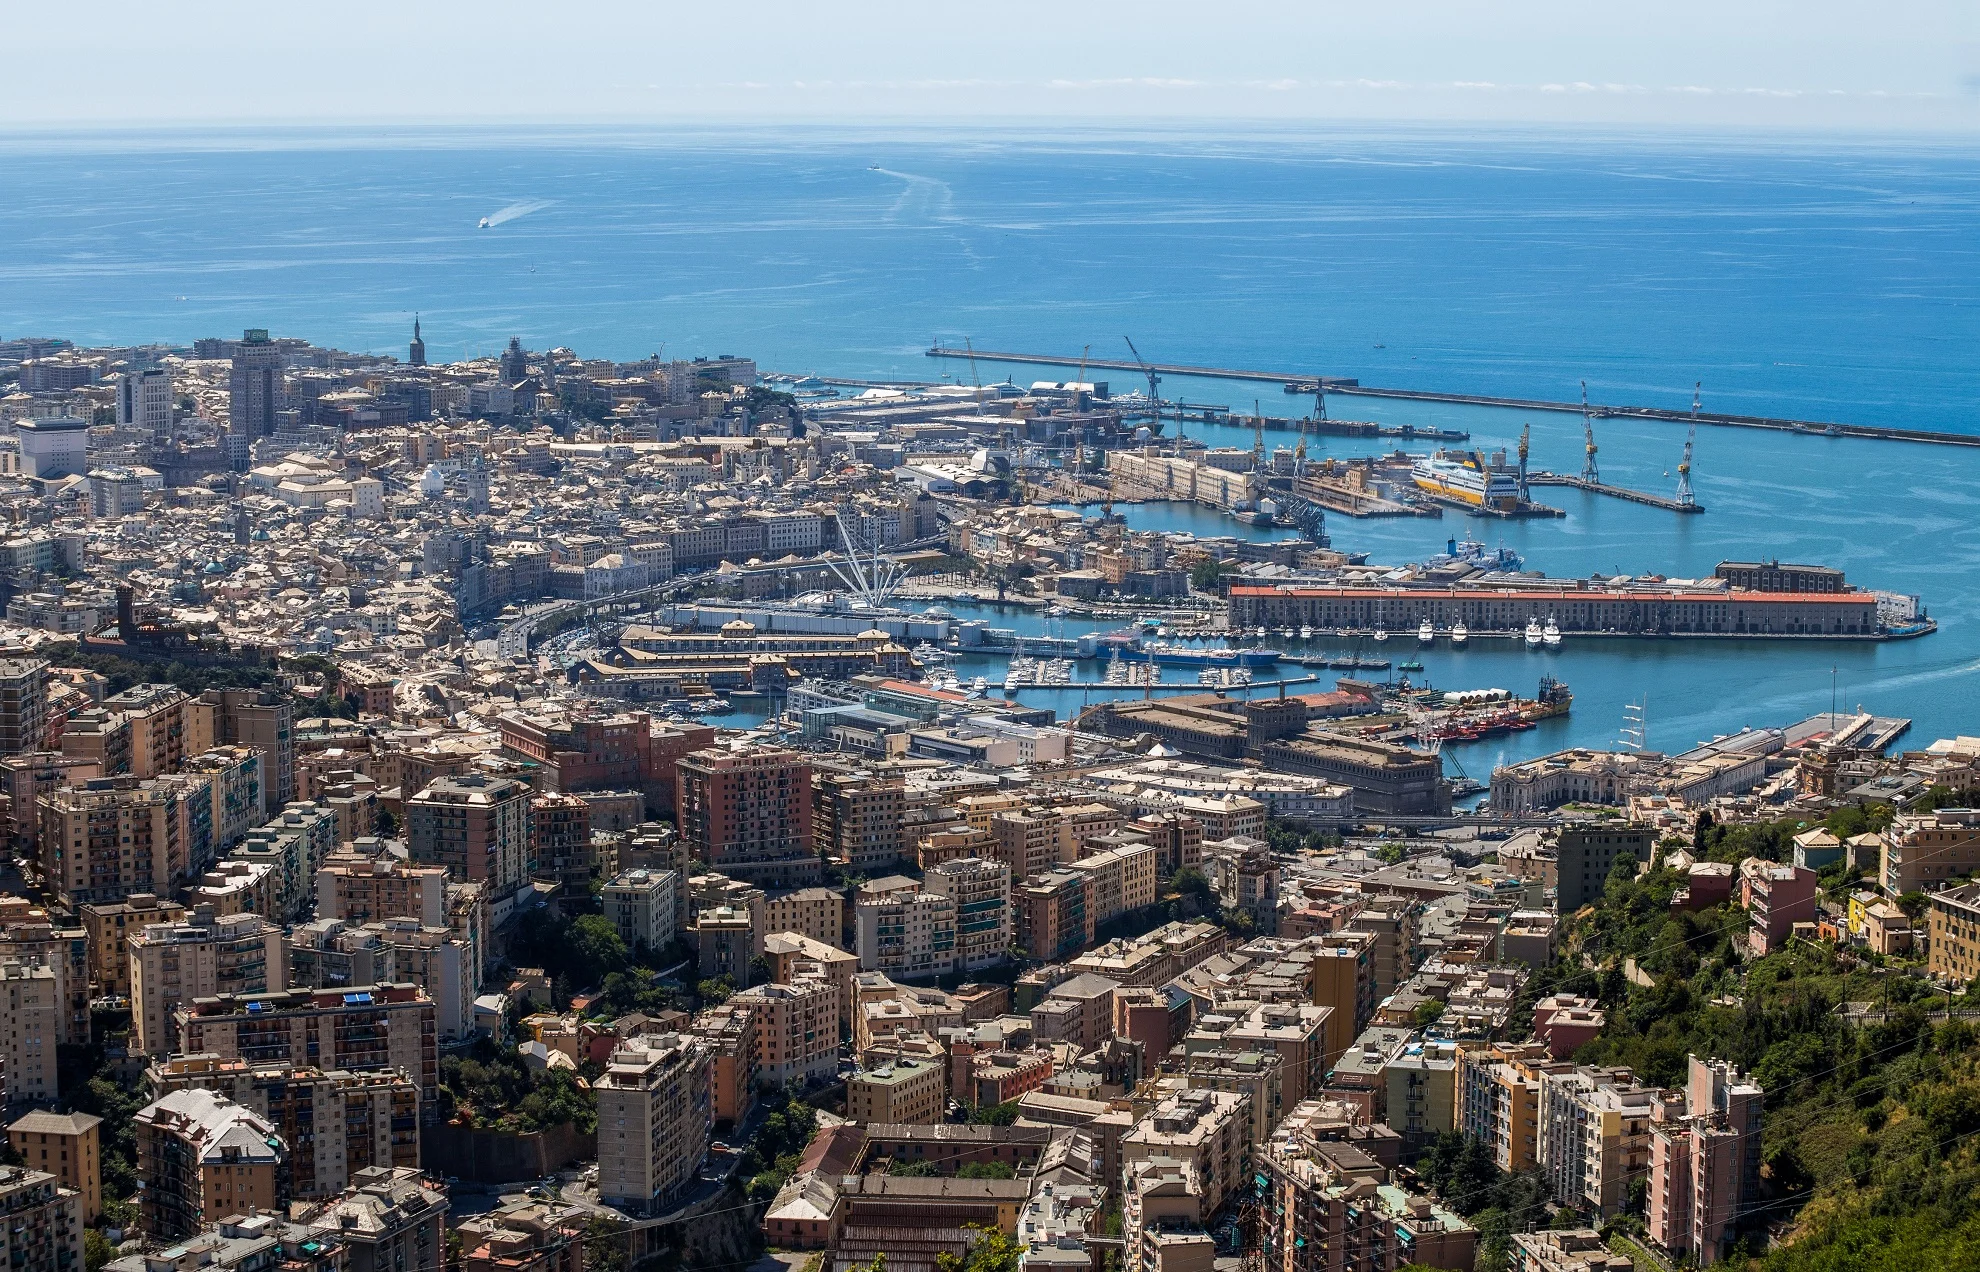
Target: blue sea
column 1818, row 278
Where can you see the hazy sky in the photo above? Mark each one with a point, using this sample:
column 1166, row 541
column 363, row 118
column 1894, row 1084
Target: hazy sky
column 1821, row 64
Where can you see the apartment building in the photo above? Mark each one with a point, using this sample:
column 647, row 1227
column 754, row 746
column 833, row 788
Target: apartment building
column 1584, row 856
column 1028, row 840
column 360, row 886
column 362, row 1028
column 793, row 956
column 23, row 704
column 859, row 816
column 819, row 913
column 1498, row 1099
column 477, row 827
column 172, row 964
column 389, row 1219
column 107, row 923
column 1162, row 1214
column 1594, row 1134
column 797, row 1034
column 112, row 837
column 1952, row 924
column 642, row 905
column 1925, row 850
column 1329, row 1208
column 1119, row 881
column 44, row 1228
column 1777, row 897
column 1705, row 1163
column 1391, row 921
column 906, row 933
column 728, row 1030
column 67, row 1146
column 203, row 1157
column 30, row 1028
column 900, row 1091
column 260, row 718
column 560, row 844
column 1210, row 1130
column 653, row 1121
column 337, row 1124
column 1051, row 915
column 28, row 933
column 981, row 891
column 748, row 814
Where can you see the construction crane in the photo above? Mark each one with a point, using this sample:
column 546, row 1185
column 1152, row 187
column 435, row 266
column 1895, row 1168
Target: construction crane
column 1257, row 437
column 1525, row 441
column 1685, row 498
column 1589, row 472
column 1079, row 385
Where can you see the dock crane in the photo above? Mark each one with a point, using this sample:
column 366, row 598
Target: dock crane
column 1685, row 497
column 973, row 378
column 1155, row 393
column 1589, row 472
column 1079, row 385
column 1525, row 442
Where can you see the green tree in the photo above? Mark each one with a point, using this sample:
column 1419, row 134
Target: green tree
column 97, row 1250
column 1206, row 575
column 986, row 1170
column 994, row 1114
column 596, row 948
column 913, row 1170
column 1198, row 896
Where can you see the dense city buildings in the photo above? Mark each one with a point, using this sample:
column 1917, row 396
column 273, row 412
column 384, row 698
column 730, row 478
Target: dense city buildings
column 408, row 758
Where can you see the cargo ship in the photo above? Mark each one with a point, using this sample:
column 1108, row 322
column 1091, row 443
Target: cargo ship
column 1464, row 477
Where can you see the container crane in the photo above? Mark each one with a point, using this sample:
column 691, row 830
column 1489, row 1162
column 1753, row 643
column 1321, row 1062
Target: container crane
column 1589, row 472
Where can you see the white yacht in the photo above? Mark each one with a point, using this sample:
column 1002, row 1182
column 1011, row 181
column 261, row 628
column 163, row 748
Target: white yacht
column 1550, row 635
column 1533, row 633
column 1305, row 633
column 1425, row 633
column 1460, row 633
column 1381, row 634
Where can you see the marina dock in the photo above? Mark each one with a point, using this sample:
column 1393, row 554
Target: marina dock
column 1617, row 492
column 1302, row 382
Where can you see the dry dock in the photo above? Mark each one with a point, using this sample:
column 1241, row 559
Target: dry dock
column 1618, row 492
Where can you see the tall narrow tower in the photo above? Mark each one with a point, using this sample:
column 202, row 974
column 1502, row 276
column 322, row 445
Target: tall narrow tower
column 416, row 356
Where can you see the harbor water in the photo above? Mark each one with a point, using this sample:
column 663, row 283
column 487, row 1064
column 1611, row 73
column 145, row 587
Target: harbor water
column 1817, row 279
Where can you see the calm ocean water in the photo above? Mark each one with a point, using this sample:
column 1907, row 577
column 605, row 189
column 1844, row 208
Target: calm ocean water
column 1814, row 279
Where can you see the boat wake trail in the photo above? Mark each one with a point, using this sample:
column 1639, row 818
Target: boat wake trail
column 515, row 210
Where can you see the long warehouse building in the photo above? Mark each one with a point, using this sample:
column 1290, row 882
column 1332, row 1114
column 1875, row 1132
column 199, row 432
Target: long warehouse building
column 1575, row 610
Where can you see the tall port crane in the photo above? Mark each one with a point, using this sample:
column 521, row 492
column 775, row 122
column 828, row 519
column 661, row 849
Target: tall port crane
column 974, row 379
column 1525, row 442
column 1155, row 393
column 1589, row 472
column 1684, row 496
column 1079, row 385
